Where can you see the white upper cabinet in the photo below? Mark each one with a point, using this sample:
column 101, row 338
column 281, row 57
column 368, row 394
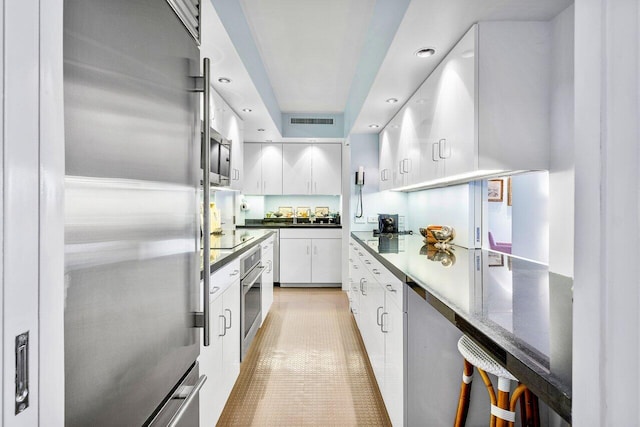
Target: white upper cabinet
column 263, row 169
column 312, row 169
column 296, row 168
column 231, row 127
column 484, row 108
column 327, row 169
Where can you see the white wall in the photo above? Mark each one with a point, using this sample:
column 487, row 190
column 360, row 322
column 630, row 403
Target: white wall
column 561, row 168
column 452, row 206
column 530, row 219
column 364, row 152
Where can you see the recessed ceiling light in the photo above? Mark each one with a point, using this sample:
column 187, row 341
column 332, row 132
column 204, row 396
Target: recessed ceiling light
column 224, row 80
column 246, row 110
column 425, row 52
column 374, row 126
column 260, row 130
column 391, row 100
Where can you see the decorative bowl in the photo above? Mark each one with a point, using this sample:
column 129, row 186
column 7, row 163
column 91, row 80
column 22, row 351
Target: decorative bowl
column 277, row 214
column 443, row 235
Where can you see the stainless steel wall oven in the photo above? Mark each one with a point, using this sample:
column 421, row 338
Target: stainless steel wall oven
column 251, row 296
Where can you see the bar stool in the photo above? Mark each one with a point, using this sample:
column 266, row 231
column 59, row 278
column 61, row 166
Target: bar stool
column 502, row 408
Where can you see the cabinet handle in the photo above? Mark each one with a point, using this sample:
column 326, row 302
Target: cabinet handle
column 224, row 326
column 435, row 151
column 382, row 322
column 408, row 165
column 400, row 167
column 390, row 288
column 230, row 320
column 378, row 320
column 270, row 266
column 366, row 261
column 235, row 273
column 376, row 271
column 443, row 149
column 364, row 283
column 355, row 266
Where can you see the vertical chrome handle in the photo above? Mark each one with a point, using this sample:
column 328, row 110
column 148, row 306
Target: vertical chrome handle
column 378, row 320
column 206, row 180
column 22, row 373
column 435, row 151
column 400, row 166
column 230, row 320
column 382, row 323
column 235, row 273
column 270, row 266
column 364, row 283
column 224, row 326
column 390, row 288
column 443, row 149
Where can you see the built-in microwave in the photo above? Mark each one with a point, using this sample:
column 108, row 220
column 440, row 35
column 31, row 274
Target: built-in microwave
column 220, row 159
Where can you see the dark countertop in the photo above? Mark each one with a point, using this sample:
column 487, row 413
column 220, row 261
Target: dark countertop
column 287, row 225
column 221, row 257
column 516, row 309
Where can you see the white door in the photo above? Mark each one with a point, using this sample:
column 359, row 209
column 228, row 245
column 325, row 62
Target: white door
column 267, row 277
column 326, row 264
column 272, row 169
column 375, row 310
column 296, row 168
column 295, row 260
column 327, row 169
column 231, row 336
column 211, row 365
column 252, row 169
column 393, row 391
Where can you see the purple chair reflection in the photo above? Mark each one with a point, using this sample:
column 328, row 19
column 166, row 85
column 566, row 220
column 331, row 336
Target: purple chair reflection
column 499, row 246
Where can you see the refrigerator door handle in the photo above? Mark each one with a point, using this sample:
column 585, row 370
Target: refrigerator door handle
column 187, row 401
column 202, row 318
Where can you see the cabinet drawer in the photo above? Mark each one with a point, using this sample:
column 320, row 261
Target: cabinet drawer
column 392, row 285
column 221, row 279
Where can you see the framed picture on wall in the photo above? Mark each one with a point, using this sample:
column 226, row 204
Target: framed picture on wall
column 509, row 201
column 495, row 260
column 494, row 188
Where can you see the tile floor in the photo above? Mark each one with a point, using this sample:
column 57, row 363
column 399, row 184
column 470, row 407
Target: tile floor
column 307, row 367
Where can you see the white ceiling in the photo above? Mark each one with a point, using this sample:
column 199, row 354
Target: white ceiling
column 310, row 48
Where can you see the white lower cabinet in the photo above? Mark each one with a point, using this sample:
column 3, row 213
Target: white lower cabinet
column 220, row 361
column 310, row 256
column 376, row 298
column 267, row 277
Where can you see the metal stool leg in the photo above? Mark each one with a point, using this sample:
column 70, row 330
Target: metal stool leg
column 465, row 391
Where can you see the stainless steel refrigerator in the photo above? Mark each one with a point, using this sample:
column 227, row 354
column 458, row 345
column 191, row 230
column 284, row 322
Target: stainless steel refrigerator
column 132, row 269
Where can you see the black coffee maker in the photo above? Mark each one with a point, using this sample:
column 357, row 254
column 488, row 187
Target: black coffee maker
column 387, row 223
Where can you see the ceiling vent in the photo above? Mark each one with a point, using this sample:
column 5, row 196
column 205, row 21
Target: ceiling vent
column 189, row 13
column 299, row 121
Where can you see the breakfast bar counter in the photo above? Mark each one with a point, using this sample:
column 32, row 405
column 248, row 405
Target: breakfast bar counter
column 516, row 309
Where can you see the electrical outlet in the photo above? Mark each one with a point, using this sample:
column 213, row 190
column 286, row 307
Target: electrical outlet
column 372, row 219
column 359, row 220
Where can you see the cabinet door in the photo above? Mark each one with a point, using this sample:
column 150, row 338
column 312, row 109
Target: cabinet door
column 252, row 169
column 327, row 169
column 408, row 149
column 326, row 264
column 211, row 366
column 235, row 134
column 373, row 319
column 295, row 260
column 455, row 111
column 296, row 168
column 272, row 169
column 267, row 277
column 386, row 162
column 231, row 337
column 393, row 390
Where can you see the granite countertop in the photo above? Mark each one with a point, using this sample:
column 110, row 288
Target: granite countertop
column 221, row 257
column 516, row 309
column 283, row 224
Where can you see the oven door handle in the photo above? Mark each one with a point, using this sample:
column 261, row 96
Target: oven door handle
column 252, row 277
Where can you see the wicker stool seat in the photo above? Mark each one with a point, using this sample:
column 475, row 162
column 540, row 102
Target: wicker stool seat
column 502, row 408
